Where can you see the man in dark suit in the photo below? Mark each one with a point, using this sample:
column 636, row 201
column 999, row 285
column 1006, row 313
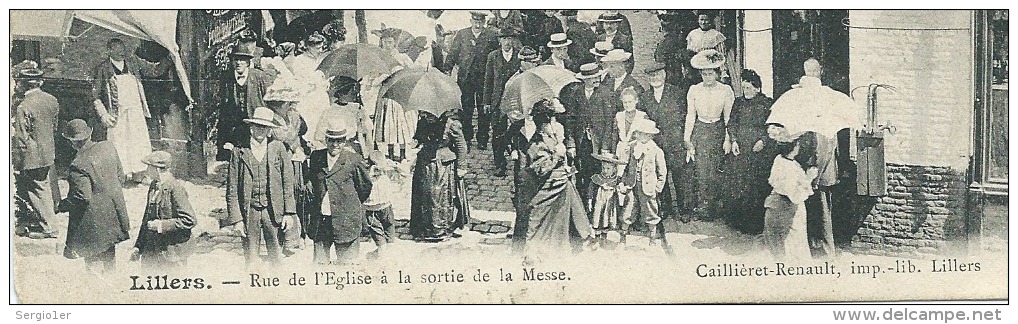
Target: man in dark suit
column 32, row 155
column 666, row 104
column 559, row 45
column 618, row 39
column 585, row 108
column 582, row 36
column 619, row 77
column 501, row 65
column 340, row 185
column 469, row 51
column 241, row 90
column 97, row 218
column 259, row 189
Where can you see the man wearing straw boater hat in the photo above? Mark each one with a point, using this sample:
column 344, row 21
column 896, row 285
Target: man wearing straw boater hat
column 619, row 39
column 243, row 90
column 502, row 65
column 33, row 154
column 619, row 77
column 340, row 185
column 97, row 211
column 469, row 51
column 586, row 108
column 559, row 45
column 599, row 51
column 259, row 192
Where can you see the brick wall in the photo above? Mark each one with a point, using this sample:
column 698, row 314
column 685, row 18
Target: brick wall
column 927, row 155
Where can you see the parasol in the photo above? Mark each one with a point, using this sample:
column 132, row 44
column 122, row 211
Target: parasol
column 814, row 108
column 358, row 61
column 453, row 20
column 421, row 89
column 529, row 87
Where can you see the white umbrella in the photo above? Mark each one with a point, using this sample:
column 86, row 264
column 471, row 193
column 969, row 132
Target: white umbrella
column 819, row 109
column 415, row 22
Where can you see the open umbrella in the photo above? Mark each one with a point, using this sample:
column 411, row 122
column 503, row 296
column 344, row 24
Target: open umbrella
column 421, row 89
column 529, row 87
column 453, row 20
column 357, row 61
column 819, row 109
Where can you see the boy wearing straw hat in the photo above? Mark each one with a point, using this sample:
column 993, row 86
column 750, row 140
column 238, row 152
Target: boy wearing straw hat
column 259, row 192
column 340, row 185
column 645, row 175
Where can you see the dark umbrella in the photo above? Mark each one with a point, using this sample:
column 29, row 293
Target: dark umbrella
column 358, row 61
column 421, row 89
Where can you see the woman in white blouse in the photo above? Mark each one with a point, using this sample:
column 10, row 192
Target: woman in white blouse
column 706, row 133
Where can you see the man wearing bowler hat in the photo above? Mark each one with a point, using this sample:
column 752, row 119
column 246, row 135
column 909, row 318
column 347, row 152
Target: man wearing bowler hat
column 242, row 89
column 502, row 64
column 97, row 212
column 259, row 189
column 339, row 185
column 32, row 155
column 469, row 51
column 559, row 45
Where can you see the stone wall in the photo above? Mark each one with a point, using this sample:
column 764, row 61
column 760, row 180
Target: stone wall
column 928, row 152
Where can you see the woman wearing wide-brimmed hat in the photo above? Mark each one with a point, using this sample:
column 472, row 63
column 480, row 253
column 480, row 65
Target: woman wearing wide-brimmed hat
column 282, row 96
column 706, row 134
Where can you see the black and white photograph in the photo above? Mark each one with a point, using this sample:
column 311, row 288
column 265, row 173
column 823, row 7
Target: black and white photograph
column 508, row 156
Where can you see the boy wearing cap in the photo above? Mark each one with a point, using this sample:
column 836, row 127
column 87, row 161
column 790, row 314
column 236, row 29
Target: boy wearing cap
column 559, row 46
column 469, row 51
column 340, row 186
column 645, row 175
column 165, row 233
column 32, row 155
column 259, row 189
column 501, row 65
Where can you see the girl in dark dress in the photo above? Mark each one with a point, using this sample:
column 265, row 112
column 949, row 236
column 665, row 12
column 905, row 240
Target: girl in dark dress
column 438, row 204
column 753, row 154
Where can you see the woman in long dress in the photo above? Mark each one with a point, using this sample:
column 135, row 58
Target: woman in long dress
column 785, row 216
column 752, row 155
column 706, row 134
column 394, row 127
column 438, row 203
column 556, row 218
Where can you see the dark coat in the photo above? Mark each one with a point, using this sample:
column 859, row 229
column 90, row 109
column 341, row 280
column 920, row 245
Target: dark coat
column 670, row 116
column 470, row 53
column 168, row 204
column 35, row 120
column 616, row 95
column 593, row 117
column 102, row 72
column 231, row 125
column 624, row 41
column 280, row 186
column 583, row 40
column 496, row 73
column 348, row 186
column 95, row 201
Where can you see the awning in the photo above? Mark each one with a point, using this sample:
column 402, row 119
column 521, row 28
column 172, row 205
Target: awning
column 40, row 24
column 159, row 26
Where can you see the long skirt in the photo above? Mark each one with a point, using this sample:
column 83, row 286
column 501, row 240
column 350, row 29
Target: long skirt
column 785, row 229
column 130, row 135
column 557, row 221
column 392, row 125
column 746, row 188
column 708, row 143
column 438, row 204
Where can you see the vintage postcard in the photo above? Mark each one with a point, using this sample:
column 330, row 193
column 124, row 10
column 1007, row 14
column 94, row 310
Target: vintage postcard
column 508, row 156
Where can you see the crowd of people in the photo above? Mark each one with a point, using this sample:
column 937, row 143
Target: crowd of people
column 315, row 157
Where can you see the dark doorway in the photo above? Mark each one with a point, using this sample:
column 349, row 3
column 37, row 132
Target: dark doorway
column 802, row 34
